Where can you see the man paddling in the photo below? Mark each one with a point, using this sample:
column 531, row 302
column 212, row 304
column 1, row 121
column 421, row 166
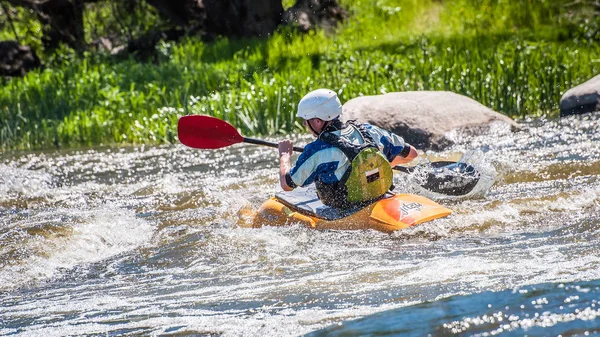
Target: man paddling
column 349, row 163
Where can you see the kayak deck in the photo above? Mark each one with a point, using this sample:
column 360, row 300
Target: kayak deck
column 393, row 212
column 305, row 200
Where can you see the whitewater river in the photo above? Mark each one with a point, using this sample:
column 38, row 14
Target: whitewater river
column 141, row 241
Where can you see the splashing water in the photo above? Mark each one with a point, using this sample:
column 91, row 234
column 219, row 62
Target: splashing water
column 144, row 241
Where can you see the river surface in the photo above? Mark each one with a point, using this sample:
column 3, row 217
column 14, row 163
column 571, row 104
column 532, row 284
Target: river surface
column 141, row 241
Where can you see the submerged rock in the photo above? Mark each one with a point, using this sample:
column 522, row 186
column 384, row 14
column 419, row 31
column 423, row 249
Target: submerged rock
column 424, row 118
column 581, row 99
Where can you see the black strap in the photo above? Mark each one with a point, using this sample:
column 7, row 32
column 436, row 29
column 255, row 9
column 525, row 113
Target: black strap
column 349, row 149
column 364, row 133
column 289, row 181
column 405, row 151
column 336, row 125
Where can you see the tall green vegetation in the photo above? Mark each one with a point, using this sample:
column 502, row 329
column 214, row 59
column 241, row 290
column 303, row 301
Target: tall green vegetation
column 516, row 57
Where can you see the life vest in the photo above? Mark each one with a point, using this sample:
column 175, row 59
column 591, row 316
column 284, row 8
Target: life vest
column 368, row 178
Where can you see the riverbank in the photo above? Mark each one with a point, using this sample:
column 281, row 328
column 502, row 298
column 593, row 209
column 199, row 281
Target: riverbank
column 519, row 65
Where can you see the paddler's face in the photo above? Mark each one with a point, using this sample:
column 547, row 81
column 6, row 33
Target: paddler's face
column 314, row 125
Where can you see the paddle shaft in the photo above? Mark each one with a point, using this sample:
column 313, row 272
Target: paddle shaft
column 270, row 144
column 301, row 149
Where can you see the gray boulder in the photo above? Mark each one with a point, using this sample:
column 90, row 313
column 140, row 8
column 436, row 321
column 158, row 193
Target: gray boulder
column 581, row 99
column 424, row 118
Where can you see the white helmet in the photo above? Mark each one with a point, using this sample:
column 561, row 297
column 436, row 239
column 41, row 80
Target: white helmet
column 321, row 103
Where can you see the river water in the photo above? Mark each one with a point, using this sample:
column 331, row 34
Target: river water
column 144, row 241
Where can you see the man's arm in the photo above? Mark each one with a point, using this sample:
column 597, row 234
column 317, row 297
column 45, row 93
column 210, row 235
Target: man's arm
column 407, row 155
column 285, row 153
column 393, row 146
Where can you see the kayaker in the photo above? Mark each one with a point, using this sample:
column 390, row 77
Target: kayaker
column 349, row 163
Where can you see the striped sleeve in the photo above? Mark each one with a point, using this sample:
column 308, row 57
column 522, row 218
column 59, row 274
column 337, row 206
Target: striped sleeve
column 391, row 144
column 318, row 160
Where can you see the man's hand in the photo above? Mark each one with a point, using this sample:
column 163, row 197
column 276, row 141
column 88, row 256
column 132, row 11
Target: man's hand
column 286, row 147
column 285, row 153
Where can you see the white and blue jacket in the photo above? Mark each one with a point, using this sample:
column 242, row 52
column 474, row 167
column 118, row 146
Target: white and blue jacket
column 326, row 163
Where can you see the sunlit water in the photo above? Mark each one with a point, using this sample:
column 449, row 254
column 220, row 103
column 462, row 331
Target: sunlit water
column 144, row 241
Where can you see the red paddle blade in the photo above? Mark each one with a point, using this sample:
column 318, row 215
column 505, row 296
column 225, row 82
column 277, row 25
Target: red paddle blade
column 206, row 132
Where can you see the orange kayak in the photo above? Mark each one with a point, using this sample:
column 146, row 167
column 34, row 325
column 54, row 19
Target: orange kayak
column 302, row 206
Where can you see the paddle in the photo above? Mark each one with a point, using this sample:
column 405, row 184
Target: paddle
column 207, row 132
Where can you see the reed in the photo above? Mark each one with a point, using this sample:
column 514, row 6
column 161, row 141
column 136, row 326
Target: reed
column 519, row 64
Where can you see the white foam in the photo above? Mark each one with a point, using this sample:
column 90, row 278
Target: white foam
column 24, row 183
column 99, row 234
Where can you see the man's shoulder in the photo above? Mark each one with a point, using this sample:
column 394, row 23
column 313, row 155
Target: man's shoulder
column 370, row 126
column 318, row 152
column 316, row 146
column 355, row 122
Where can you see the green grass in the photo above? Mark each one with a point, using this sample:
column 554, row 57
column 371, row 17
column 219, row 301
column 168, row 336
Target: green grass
column 517, row 57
